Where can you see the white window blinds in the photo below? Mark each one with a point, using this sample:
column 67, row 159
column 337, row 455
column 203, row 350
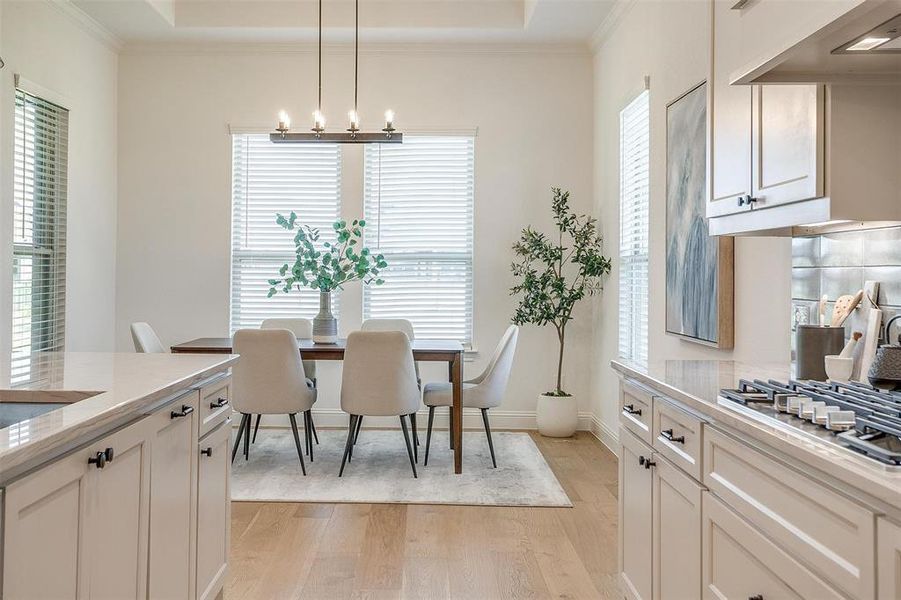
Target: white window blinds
column 267, row 179
column 633, row 238
column 40, row 157
column 419, row 213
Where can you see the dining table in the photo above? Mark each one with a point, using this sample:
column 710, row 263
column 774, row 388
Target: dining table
column 424, row 350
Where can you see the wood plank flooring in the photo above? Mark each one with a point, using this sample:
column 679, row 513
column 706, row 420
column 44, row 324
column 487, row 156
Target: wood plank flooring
column 390, row 551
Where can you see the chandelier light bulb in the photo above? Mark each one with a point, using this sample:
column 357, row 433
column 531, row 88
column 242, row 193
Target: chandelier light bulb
column 284, row 121
column 318, row 120
column 389, row 118
column 354, row 119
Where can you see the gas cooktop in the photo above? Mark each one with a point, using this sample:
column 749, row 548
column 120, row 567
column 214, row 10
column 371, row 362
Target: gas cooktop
column 852, row 415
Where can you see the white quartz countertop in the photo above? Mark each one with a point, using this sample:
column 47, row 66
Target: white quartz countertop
column 128, row 385
column 696, row 384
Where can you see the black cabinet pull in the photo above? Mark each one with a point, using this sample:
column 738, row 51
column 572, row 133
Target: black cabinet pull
column 668, row 434
column 109, row 453
column 630, row 408
column 207, row 451
column 756, row 597
column 741, row 200
column 648, row 463
column 641, row 460
column 99, row 460
column 219, row 403
column 185, row 411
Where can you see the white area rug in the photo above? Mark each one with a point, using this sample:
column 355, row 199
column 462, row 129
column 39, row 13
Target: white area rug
column 380, row 471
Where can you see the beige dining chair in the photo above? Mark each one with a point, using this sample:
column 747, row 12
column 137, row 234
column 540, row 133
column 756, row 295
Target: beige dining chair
column 145, row 338
column 483, row 392
column 379, row 380
column 302, row 330
column 269, row 380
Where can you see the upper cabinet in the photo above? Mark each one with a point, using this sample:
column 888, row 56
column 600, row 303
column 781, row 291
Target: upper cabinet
column 783, row 156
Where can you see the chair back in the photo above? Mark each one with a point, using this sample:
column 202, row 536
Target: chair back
column 145, row 338
column 379, row 378
column 390, row 325
column 269, row 377
column 301, row 328
column 493, row 380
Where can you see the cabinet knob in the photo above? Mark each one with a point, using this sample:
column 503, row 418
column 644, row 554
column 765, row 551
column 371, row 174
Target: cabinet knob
column 99, row 460
column 630, row 408
column 741, row 200
column 648, row 463
column 668, row 434
column 750, row 200
column 207, row 451
column 641, row 460
column 109, row 453
column 219, row 403
column 756, row 597
column 185, row 411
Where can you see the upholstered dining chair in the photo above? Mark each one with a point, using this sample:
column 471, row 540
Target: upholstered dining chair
column 484, row 392
column 302, row 330
column 145, row 338
column 379, row 380
column 270, row 380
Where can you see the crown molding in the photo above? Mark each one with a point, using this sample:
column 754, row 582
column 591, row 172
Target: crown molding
column 610, row 23
column 415, row 48
column 88, row 24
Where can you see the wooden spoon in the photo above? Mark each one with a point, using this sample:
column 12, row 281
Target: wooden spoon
column 844, row 306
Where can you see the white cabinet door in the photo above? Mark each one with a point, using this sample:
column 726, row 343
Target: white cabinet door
column 173, row 435
column 47, row 505
column 213, row 512
column 635, row 514
column 677, row 532
column 115, row 556
column 888, row 541
column 728, row 118
column 787, row 142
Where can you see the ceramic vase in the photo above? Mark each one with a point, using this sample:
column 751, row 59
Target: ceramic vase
column 325, row 325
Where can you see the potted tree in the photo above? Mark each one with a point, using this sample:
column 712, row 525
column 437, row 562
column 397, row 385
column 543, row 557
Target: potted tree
column 326, row 269
column 553, row 274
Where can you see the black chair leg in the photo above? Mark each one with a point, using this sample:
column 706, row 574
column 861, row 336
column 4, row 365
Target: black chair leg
column 450, row 428
column 348, row 443
column 244, row 419
column 308, row 433
column 488, row 433
column 403, row 425
column 428, row 435
column 247, row 439
column 415, row 432
column 313, row 427
column 297, row 443
column 357, row 431
column 256, row 428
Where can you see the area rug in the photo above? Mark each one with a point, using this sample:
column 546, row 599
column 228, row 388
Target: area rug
column 380, row 471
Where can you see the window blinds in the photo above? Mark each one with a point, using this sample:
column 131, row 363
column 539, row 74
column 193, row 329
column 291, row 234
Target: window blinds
column 633, row 244
column 267, row 179
column 419, row 213
column 40, row 156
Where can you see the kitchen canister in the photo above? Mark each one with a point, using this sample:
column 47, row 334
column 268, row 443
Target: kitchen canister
column 812, row 344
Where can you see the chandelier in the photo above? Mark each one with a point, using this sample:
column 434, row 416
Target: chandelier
column 353, row 134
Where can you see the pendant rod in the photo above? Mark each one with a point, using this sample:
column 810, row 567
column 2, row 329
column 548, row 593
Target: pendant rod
column 319, row 103
column 356, row 49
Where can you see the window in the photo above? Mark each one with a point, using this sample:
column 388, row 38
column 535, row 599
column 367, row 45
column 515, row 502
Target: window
column 633, row 229
column 39, row 230
column 267, row 179
column 419, row 212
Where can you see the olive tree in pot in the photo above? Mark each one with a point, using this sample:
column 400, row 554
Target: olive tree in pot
column 553, row 274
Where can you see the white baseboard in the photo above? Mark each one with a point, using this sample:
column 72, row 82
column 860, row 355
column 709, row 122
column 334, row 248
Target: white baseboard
column 607, row 436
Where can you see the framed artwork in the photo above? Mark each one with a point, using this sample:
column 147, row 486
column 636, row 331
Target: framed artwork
column 699, row 268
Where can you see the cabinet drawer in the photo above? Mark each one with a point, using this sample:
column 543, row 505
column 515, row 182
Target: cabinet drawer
column 819, row 527
column 215, row 397
column 677, row 435
column 636, row 410
column 741, row 563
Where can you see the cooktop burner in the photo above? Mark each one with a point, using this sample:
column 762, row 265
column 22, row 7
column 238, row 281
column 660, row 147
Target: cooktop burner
column 852, row 415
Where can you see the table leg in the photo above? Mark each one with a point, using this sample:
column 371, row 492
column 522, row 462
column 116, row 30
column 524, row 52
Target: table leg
column 456, row 369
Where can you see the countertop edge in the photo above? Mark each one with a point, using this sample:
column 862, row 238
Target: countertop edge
column 883, row 487
column 23, row 459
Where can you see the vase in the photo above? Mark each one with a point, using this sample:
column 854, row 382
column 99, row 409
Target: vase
column 557, row 416
column 325, row 325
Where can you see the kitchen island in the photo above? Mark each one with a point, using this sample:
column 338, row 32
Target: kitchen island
column 719, row 501
column 121, row 490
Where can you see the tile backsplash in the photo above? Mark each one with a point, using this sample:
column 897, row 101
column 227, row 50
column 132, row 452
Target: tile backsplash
column 839, row 263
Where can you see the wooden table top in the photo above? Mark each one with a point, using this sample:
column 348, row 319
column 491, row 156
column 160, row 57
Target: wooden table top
column 424, row 350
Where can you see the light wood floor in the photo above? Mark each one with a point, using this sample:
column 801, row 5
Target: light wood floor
column 375, row 551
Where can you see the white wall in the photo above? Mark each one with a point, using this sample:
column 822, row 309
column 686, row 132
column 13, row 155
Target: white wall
column 669, row 41
column 75, row 68
column 534, row 117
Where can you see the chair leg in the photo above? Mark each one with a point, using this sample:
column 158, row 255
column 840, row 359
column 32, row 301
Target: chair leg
column 357, row 430
column 244, row 419
column 488, row 433
column 415, row 437
column 256, row 428
column 308, row 432
column 348, row 443
column 247, row 438
column 313, row 427
column 297, row 443
column 428, row 435
column 450, row 430
column 403, row 425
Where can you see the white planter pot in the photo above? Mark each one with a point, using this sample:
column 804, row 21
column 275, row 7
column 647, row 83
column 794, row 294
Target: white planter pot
column 558, row 416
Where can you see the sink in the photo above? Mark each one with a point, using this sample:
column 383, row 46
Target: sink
column 20, row 405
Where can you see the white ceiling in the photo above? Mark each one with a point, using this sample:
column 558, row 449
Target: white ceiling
column 484, row 21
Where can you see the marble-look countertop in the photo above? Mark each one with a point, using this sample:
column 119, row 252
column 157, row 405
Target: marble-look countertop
column 696, row 383
column 128, row 385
